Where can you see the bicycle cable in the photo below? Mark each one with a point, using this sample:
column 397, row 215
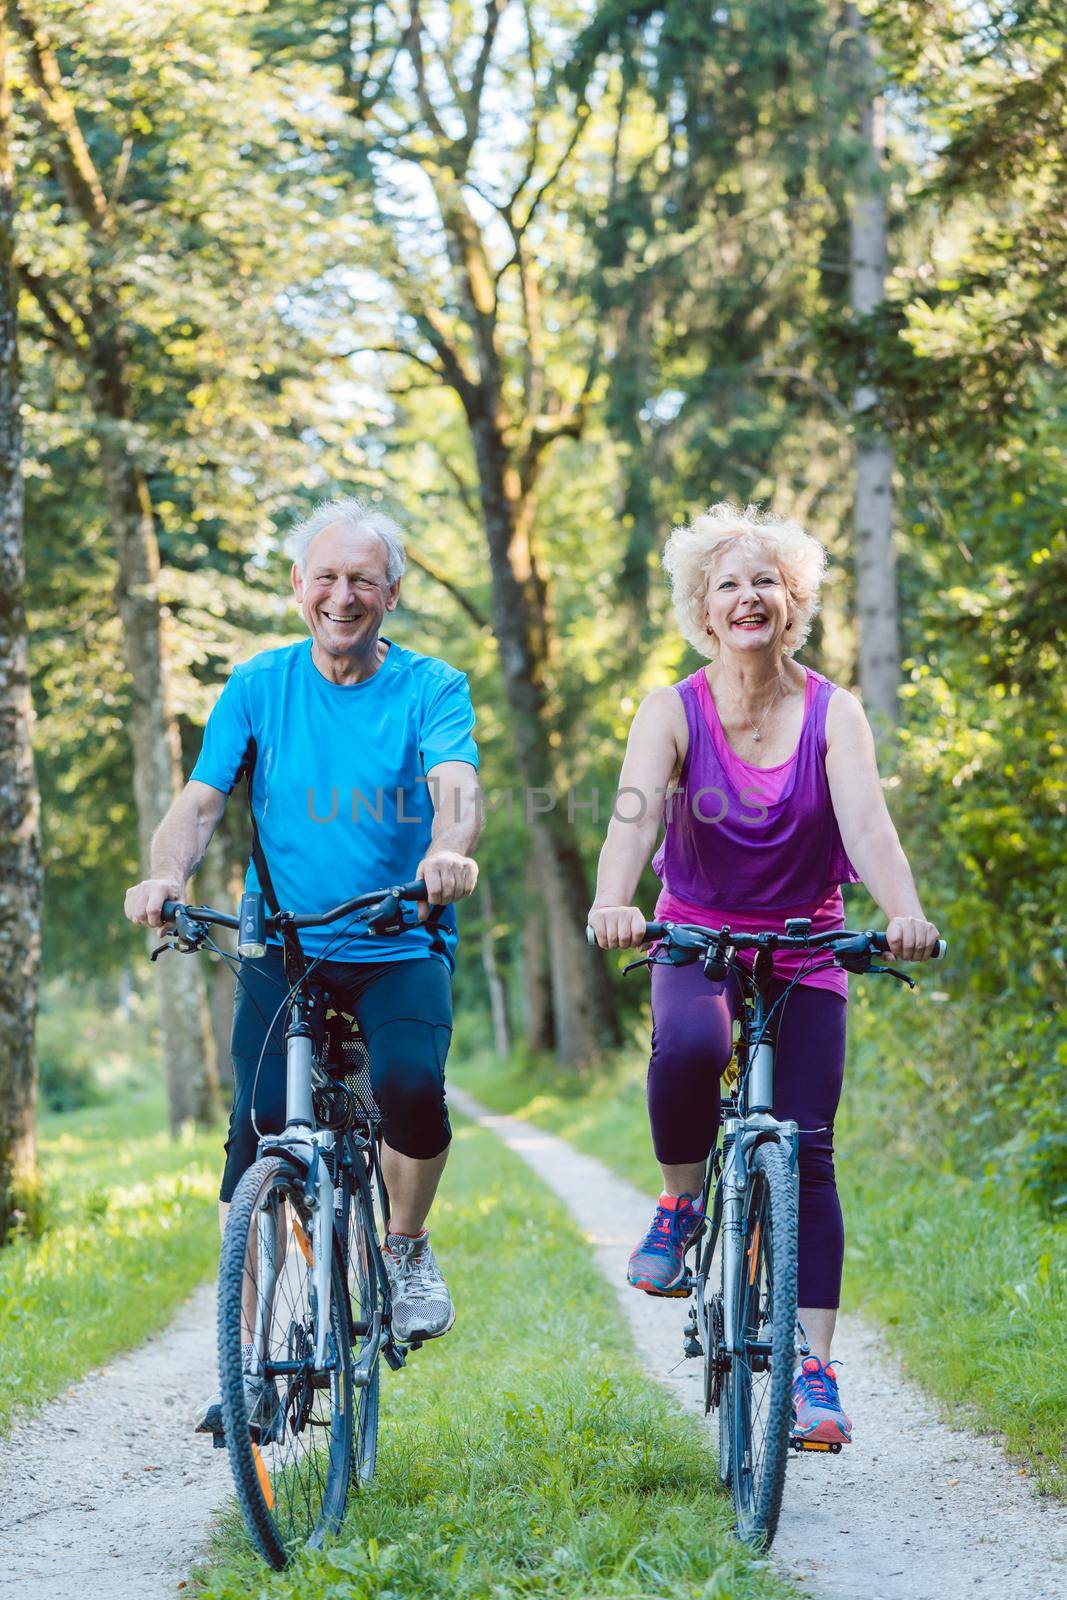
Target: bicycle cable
column 332, row 943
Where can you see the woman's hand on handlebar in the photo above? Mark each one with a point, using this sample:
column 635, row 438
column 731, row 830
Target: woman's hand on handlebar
column 144, row 902
column 912, row 938
column 617, row 927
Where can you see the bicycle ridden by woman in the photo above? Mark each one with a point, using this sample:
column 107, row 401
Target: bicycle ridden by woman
column 765, row 773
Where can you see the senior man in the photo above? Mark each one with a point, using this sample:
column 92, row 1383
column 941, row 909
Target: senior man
column 364, row 775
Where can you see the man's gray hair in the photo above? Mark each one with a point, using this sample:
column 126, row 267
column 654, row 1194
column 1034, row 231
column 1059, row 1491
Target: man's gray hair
column 355, row 515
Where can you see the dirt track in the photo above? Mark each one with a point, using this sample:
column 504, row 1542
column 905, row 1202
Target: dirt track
column 914, row 1510
column 107, row 1494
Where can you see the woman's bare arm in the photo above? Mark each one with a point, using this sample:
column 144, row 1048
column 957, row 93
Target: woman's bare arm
column 867, row 829
column 655, row 751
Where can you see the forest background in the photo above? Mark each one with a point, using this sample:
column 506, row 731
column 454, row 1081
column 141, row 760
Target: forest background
column 542, row 279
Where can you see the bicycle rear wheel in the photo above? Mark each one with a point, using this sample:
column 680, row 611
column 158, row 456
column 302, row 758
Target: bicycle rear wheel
column 288, row 1422
column 760, row 1381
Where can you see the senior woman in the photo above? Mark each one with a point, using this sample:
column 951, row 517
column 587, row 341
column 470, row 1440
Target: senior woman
column 775, row 801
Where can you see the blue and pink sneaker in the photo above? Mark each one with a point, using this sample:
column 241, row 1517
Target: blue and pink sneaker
column 657, row 1265
column 817, row 1411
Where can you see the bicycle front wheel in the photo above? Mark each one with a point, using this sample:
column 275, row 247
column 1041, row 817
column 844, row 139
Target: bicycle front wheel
column 761, row 1369
column 288, row 1419
column 365, row 1294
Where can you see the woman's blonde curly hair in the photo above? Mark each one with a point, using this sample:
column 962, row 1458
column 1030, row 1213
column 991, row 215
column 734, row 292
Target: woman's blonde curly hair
column 693, row 550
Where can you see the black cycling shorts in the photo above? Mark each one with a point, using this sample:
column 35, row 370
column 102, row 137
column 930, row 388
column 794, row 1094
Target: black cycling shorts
column 404, row 1011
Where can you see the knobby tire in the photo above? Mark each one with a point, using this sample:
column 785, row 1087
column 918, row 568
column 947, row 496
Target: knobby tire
column 292, row 1462
column 760, row 1403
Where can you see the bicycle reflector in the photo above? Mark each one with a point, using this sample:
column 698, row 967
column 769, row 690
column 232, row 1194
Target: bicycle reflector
column 251, row 927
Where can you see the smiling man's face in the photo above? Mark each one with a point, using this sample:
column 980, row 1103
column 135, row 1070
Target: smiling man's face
column 345, row 593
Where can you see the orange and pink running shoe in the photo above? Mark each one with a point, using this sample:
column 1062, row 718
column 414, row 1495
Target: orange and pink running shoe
column 817, row 1411
column 658, row 1264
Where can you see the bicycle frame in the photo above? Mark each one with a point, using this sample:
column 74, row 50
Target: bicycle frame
column 747, row 1121
column 317, row 1150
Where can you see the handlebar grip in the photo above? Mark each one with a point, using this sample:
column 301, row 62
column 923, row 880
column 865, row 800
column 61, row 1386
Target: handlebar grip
column 412, row 891
column 880, row 943
column 168, row 909
column 653, row 930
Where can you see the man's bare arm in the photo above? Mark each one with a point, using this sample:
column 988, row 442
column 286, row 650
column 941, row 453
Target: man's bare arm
column 178, row 847
column 447, row 868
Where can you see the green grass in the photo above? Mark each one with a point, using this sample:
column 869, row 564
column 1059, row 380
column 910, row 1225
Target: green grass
column 523, row 1455
column 131, row 1229
column 969, row 1280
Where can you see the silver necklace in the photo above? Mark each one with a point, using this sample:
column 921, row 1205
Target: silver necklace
column 756, row 734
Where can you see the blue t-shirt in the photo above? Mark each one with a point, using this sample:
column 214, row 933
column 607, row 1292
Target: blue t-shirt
column 340, row 788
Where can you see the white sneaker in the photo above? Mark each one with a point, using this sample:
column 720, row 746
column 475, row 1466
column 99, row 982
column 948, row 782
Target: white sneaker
column 422, row 1305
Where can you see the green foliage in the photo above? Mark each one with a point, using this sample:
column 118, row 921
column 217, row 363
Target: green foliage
column 970, row 1282
column 89, row 1049
column 506, row 1470
column 129, row 1229
column 688, row 264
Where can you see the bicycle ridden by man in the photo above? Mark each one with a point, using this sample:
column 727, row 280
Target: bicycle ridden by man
column 362, row 771
column 776, row 801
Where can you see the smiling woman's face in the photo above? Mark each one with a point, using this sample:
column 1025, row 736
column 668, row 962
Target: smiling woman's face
column 345, row 593
column 747, row 601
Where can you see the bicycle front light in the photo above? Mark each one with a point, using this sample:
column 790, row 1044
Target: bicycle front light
column 251, row 927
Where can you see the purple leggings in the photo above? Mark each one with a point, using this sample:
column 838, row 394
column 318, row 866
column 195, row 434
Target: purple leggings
column 691, row 1044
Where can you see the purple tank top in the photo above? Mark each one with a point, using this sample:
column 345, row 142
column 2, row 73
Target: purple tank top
column 748, row 847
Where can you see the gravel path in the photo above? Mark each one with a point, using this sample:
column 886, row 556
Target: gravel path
column 914, row 1510
column 108, row 1492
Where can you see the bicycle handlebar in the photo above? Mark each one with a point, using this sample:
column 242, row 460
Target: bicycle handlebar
column 836, row 939
column 224, row 919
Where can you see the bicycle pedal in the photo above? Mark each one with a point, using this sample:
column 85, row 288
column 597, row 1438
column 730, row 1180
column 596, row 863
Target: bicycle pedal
column 218, row 1441
column 395, row 1355
column 681, row 1290
column 827, row 1446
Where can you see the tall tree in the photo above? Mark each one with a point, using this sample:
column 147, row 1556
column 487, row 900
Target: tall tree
column 20, row 899
column 874, row 548
column 454, row 204
column 84, row 315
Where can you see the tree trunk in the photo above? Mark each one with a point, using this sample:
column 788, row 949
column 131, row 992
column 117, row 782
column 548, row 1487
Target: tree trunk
column 586, row 1019
column 498, row 998
column 538, row 1020
column 875, row 555
column 188, row 1055
column 20, row 861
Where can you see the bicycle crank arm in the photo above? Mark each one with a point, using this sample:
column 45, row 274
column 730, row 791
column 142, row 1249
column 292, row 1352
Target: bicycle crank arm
column 363, row 1369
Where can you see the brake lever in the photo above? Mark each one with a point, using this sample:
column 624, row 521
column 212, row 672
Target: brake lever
column 185, row 937
column 646, row 961
column 894, row 972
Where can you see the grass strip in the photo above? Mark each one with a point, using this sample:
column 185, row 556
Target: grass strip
column 130, row 1229
column 523, row 1455
column 969, row 1280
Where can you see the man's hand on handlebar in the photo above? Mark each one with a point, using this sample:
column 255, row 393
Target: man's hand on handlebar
column 144, row 902
column 912, row 939
column 448, row 877
column 617, row 927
